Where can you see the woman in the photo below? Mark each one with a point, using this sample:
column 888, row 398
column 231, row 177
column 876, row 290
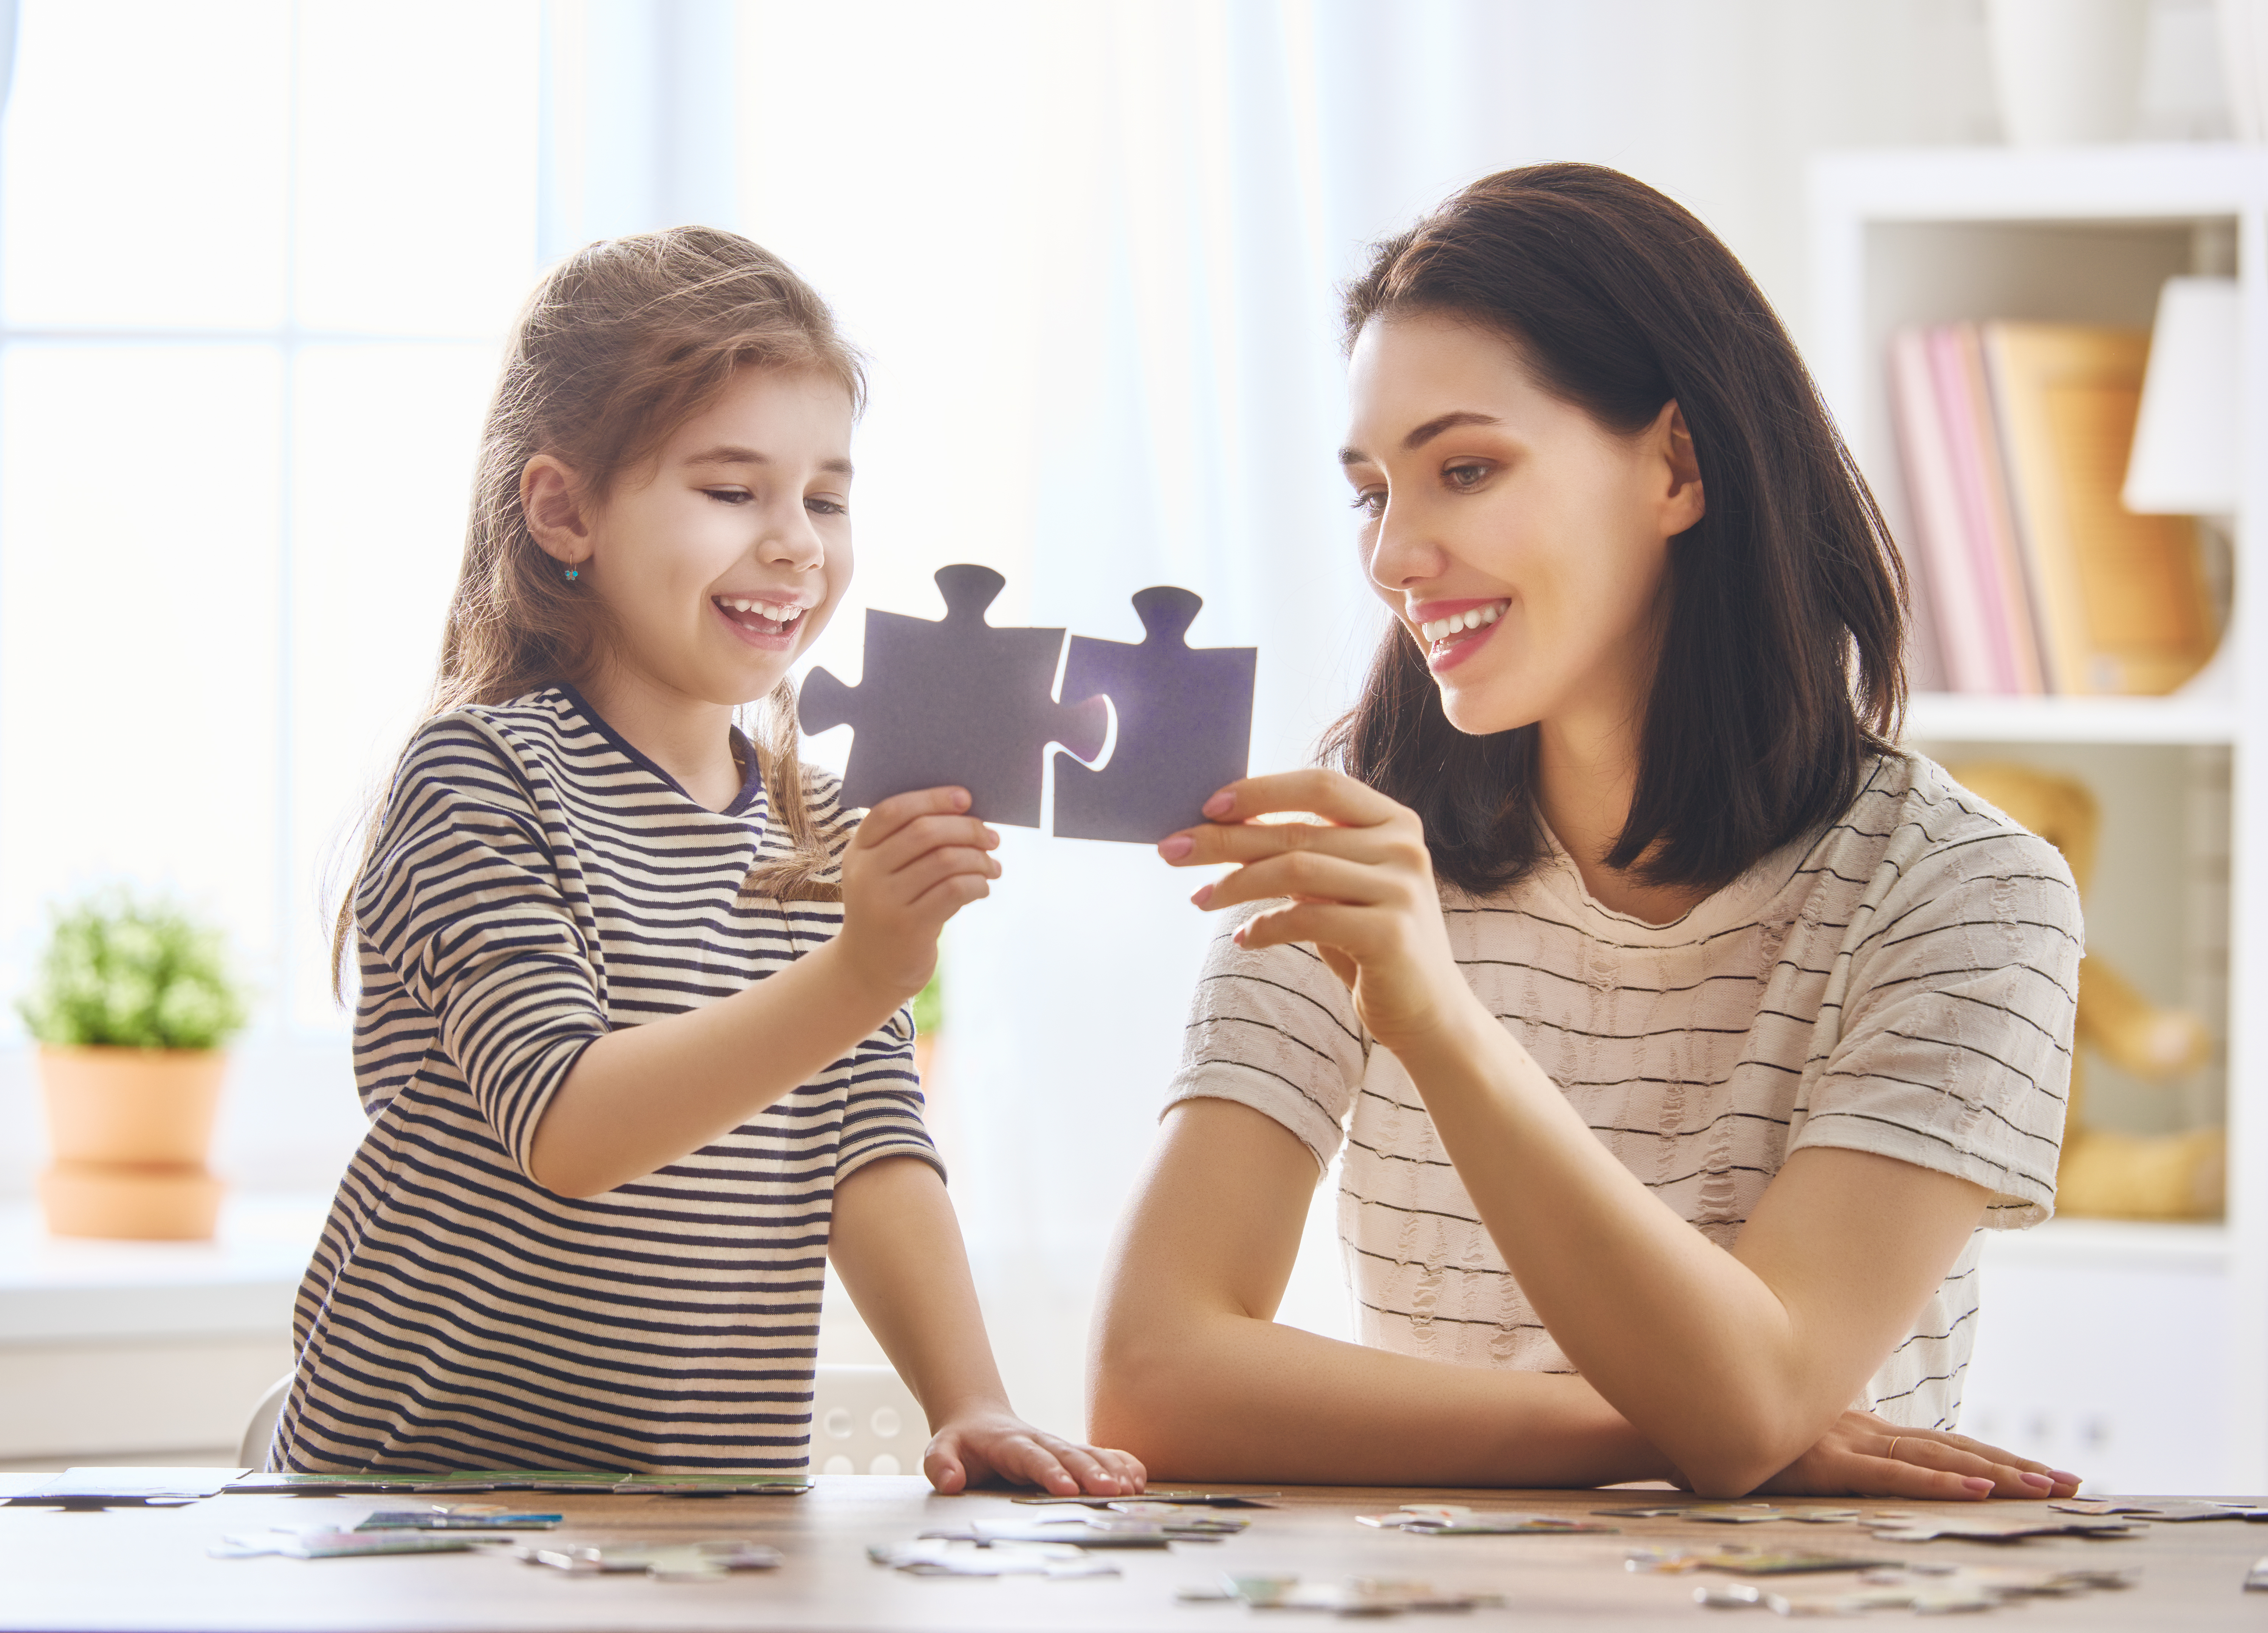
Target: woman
column 1683, row 1032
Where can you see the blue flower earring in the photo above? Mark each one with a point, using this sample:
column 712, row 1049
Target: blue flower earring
column 573, row 572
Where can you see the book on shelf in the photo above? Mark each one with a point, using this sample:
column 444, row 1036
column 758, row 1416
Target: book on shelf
column 2013, row 440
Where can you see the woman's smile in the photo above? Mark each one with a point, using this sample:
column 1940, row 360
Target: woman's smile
column 1454, row 630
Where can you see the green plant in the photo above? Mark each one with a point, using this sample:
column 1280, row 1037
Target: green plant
column 128, row 973
column 929, row 1003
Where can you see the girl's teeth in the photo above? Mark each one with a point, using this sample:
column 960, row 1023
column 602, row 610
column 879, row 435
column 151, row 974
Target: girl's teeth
column 1457, row 623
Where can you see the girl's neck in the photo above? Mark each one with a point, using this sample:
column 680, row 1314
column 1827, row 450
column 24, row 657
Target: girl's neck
column 1587, row 772
column 689, row 738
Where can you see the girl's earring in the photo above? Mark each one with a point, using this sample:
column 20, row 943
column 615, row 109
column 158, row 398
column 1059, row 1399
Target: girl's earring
column 573, row 572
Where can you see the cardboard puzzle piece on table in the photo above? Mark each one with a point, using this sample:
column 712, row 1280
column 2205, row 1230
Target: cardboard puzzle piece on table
column 955, row 702
column 1184, row 725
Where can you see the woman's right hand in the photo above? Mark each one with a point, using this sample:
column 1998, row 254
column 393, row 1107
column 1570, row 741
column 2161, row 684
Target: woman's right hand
column 915, row 862
column 1864, row 1455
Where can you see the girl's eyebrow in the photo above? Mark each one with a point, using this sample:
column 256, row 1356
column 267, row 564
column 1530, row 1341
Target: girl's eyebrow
column 727, row 454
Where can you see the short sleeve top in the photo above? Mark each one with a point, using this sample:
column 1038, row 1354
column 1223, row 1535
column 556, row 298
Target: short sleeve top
column 1904, row 983
column 537, row 884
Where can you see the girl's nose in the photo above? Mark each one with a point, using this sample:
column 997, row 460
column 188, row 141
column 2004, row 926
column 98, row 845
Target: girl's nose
column 792, row 542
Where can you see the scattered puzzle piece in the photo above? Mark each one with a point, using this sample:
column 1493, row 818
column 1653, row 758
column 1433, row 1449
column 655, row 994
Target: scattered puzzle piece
column 1451, row 1519
column 2174, row 1511
column 1908, row 1529
column 704, row 1560
column 2256, row 1580
column 1751, row 1562
column 1359, row 1596
column 941, row 1556
column 1184, row 725
column 1158, row 1494
column 955, row 702
column 466, row 1517
column 323, row 1542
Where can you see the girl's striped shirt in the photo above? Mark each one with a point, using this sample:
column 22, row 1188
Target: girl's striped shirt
column 538, row 883
column 1903, row 983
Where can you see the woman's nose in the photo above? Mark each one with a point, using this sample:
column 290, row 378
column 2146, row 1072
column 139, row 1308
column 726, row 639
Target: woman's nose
column 1404, row 552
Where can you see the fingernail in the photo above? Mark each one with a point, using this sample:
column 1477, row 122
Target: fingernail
column 1978, row 1483
column 1220, row 805
column 2062, row 1478
column 1202, row 895
column 1174, row 849
column 961, row 799
column 2045, row 1482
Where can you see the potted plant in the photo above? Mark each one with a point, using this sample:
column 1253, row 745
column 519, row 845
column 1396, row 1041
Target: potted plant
column 133, row 1003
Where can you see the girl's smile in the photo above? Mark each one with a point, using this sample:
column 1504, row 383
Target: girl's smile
column 767, row 623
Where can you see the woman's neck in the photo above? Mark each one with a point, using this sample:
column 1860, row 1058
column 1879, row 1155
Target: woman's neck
column 690, row 739
column 1587, row 772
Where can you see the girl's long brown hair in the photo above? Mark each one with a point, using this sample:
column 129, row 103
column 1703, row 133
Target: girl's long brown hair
column 619, row 345
column 1780, row 671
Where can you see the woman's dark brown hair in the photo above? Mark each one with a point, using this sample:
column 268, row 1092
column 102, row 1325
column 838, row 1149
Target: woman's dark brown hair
column 1779, row 670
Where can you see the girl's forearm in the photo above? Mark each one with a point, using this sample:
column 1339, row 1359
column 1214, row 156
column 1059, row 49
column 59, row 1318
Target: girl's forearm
column 897, row 1247
column 1225, row 1396
column 643, row 1097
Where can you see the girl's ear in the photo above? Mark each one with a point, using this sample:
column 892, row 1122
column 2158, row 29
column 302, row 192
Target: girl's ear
column 552, row 501
column 1682, row 501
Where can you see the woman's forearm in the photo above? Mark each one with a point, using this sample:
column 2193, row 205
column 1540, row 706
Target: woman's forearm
column 641, row 1097
column 1769, row 1346
column 1228, row 1397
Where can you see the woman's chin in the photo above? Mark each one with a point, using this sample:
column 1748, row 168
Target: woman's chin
column 1482, row 711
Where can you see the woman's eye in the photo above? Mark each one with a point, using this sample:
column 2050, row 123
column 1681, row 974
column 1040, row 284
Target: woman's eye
column 1371, row 502
column 1466, row 475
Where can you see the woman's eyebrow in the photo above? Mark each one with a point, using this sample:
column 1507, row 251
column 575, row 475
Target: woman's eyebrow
column 730, row 455
column 1425, row 433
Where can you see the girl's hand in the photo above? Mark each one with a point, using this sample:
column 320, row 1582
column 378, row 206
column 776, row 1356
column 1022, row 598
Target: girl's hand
column 915, row 862
column 1360, row 884
column 1865, row 1455
column 996, row 1445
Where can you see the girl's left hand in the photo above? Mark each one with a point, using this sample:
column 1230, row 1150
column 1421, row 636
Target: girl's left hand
column 991, row 1445
column 1360, row 884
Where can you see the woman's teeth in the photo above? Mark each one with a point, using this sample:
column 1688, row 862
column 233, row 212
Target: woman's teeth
column 1457, row 623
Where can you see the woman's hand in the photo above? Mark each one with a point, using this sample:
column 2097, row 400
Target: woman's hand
column 1360, row 886
column 915, row 862
column 995, row 1444
column 1864, row 1455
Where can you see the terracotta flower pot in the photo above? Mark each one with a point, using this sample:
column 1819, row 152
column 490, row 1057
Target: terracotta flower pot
column 130, row 1131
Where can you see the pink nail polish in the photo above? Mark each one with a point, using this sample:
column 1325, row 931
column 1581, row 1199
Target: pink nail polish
column 2044, row 1483
column 1174, row 849
column 2062, row 1477
column 1978, row 1483
column 1202, row 895
column 1220, row 805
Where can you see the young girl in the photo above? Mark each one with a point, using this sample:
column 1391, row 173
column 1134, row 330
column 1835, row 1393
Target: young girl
column 632, row 1034
column 1679, row 1030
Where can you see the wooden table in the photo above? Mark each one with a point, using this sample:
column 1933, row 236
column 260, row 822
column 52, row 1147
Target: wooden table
column 145, row 1571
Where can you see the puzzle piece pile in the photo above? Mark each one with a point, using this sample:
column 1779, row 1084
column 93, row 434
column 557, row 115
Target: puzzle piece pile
column 957, row 702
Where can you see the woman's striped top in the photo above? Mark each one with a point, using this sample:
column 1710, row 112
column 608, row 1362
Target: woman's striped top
column 1903, row 983
column 537, row 883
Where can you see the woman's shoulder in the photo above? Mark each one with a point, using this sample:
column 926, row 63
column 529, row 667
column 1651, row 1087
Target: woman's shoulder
column 1914, row 831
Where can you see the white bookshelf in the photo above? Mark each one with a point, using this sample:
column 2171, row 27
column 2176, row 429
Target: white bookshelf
column 2136, row 1352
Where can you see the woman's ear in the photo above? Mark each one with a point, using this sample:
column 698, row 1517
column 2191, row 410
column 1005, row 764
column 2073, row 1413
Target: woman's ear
column 552, row 501
column 1682, row 502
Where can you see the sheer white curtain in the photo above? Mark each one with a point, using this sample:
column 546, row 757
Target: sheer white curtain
column 1093, row 248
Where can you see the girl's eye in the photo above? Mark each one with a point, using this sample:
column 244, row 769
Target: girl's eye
column 1371, row 502
column 826, row 507
column 729, row 495
column 1465, row 476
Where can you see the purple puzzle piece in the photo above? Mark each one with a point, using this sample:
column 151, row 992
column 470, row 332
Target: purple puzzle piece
column 1184, row 725
column 955, row 702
